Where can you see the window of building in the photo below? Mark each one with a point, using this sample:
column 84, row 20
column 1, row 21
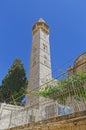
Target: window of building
column 45, row 47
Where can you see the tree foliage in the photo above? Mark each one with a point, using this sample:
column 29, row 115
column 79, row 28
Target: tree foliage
column 14, row 83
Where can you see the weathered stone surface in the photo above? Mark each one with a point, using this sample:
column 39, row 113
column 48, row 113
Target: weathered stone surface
column 76, row 121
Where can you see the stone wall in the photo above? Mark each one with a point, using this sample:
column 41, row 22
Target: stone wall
column 5, row 114
column 75, row 121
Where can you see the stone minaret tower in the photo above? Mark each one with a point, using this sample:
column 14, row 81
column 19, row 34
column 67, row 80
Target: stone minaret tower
column 40, row 64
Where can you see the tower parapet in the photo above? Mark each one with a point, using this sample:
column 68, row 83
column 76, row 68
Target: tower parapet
column 40, row 24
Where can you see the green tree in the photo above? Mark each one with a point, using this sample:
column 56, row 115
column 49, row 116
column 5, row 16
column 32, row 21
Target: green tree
column 1, row 96
column 14, row 83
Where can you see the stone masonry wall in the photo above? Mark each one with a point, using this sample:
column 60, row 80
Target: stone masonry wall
column 75, row 121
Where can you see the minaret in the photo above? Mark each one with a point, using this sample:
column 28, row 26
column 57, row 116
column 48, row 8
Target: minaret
column 40, row 64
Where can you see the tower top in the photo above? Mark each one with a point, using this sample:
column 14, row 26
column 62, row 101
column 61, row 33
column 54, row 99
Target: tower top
column 41, row 20
column 40, row 24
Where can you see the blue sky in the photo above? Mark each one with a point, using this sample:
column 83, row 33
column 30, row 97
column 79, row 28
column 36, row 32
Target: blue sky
column 67, row 21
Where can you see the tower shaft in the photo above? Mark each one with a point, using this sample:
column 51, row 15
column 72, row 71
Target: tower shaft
column 40, row 64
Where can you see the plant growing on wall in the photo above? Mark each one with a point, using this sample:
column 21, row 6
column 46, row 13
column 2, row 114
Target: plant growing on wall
column 73, row 86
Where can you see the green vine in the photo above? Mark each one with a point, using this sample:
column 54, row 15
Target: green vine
column 73, row 86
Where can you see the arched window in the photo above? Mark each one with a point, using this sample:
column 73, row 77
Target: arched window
column 45, row 47
column 45, row 59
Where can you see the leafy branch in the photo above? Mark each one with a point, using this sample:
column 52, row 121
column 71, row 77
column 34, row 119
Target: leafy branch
column 73, row 86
